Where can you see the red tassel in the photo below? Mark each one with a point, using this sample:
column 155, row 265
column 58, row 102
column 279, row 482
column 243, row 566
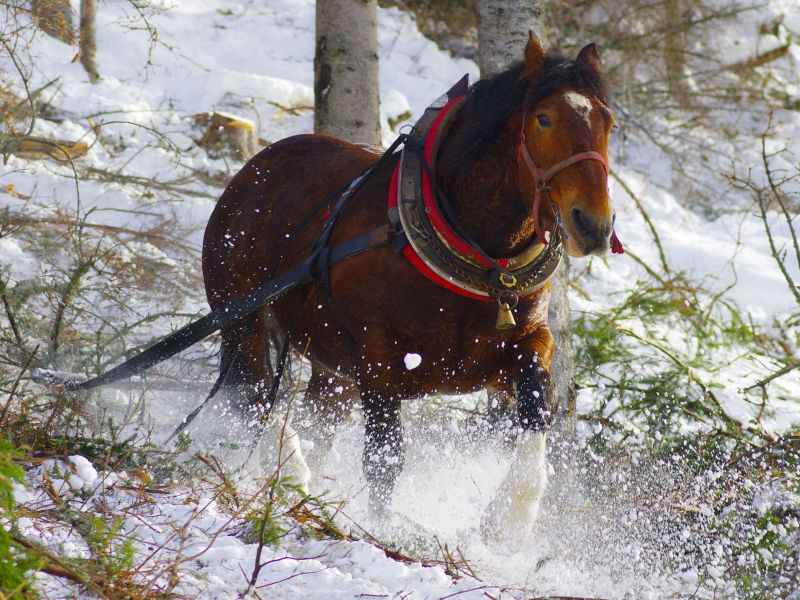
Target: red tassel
column 616, row 245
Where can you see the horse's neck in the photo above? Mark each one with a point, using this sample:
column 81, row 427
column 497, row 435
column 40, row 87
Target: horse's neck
column 486, row 195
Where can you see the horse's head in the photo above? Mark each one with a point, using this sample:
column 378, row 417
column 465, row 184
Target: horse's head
column 563, row 153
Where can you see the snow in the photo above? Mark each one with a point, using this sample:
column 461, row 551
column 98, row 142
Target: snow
column 254, row 59
column 84, row 470
column 412, row 360
column 213, row 560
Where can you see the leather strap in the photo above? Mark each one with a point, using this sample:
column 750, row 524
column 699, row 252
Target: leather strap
column 233, row 311
column 542, row 176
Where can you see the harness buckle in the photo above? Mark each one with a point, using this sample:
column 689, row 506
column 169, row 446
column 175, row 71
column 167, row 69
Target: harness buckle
column 507, row 280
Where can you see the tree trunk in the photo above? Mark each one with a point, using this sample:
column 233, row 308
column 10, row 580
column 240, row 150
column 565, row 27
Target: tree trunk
column 346, row 91
column 503, row 27
column 563, row 367
column 88, row 39
column 54, row 17
column 675, row 51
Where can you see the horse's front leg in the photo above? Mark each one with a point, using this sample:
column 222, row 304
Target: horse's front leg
column 515, row 506
column 383, row 439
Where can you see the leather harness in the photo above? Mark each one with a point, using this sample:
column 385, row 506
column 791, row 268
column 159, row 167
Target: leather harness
column 435, row 245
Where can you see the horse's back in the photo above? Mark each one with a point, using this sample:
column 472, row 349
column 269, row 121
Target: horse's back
column 263, row 204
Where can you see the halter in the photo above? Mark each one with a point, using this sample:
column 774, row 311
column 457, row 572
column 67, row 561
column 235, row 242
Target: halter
column 542, row 176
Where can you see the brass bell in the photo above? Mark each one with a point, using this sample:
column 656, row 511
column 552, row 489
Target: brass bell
column 505, row 318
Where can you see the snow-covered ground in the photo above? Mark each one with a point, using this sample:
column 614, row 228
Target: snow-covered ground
column 189, row 532
column 255, row 59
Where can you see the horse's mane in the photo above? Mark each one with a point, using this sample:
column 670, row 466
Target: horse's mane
column 491, row 102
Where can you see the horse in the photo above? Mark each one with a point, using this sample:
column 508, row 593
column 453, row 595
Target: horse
column 510, row 149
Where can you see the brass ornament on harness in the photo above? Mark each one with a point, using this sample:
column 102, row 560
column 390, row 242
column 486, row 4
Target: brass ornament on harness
column 507, row 280
column 505, row 318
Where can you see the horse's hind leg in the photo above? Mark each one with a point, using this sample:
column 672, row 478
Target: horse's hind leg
column 243, row 365
column 328, row 400
column 246, row 382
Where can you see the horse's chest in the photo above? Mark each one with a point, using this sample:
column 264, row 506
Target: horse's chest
column 459, row 348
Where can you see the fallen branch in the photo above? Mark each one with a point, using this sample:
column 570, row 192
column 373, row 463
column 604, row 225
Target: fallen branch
column 36, row 148
column 152, row 235
column 760, row 60
column 54, row 566
column 779, row 373
column 178, row 187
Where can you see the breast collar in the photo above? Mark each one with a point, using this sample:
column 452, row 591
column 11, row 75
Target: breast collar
column 435, row 244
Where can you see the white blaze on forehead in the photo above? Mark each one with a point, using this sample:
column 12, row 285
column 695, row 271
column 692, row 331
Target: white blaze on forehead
column 580, row 103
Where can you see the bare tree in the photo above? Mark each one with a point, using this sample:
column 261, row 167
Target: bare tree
column 88, row 39
column 346, row 92
column 503, row 27
column 54, row 17
column 563, row 369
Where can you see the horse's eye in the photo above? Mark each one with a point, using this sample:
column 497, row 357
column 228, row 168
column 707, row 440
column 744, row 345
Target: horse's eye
column 543, row 120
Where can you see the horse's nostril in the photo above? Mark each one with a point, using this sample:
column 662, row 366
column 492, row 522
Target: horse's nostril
column 592, row 235
column 579, row 221
column 608, row 228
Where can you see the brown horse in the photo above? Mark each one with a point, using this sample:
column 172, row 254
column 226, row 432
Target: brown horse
column 380, row 307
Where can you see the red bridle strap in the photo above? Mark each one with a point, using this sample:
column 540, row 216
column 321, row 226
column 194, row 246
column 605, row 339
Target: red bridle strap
column 542, row 176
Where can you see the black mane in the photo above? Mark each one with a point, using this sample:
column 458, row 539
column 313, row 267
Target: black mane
column 493, row 101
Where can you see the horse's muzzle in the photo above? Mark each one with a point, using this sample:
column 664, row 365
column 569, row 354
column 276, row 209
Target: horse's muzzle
column 591, row 236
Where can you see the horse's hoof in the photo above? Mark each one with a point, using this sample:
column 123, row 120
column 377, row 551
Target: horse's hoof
column 515, row 507
column 282, row 457
column 380, row 508
column 298, row 471
column 507, row 523
column 292, row 469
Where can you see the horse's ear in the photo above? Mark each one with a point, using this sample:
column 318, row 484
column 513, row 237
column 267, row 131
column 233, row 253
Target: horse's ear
column 534, row 58
column 590, row 57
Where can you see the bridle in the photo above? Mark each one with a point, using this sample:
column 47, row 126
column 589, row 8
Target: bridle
column 542, row 176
